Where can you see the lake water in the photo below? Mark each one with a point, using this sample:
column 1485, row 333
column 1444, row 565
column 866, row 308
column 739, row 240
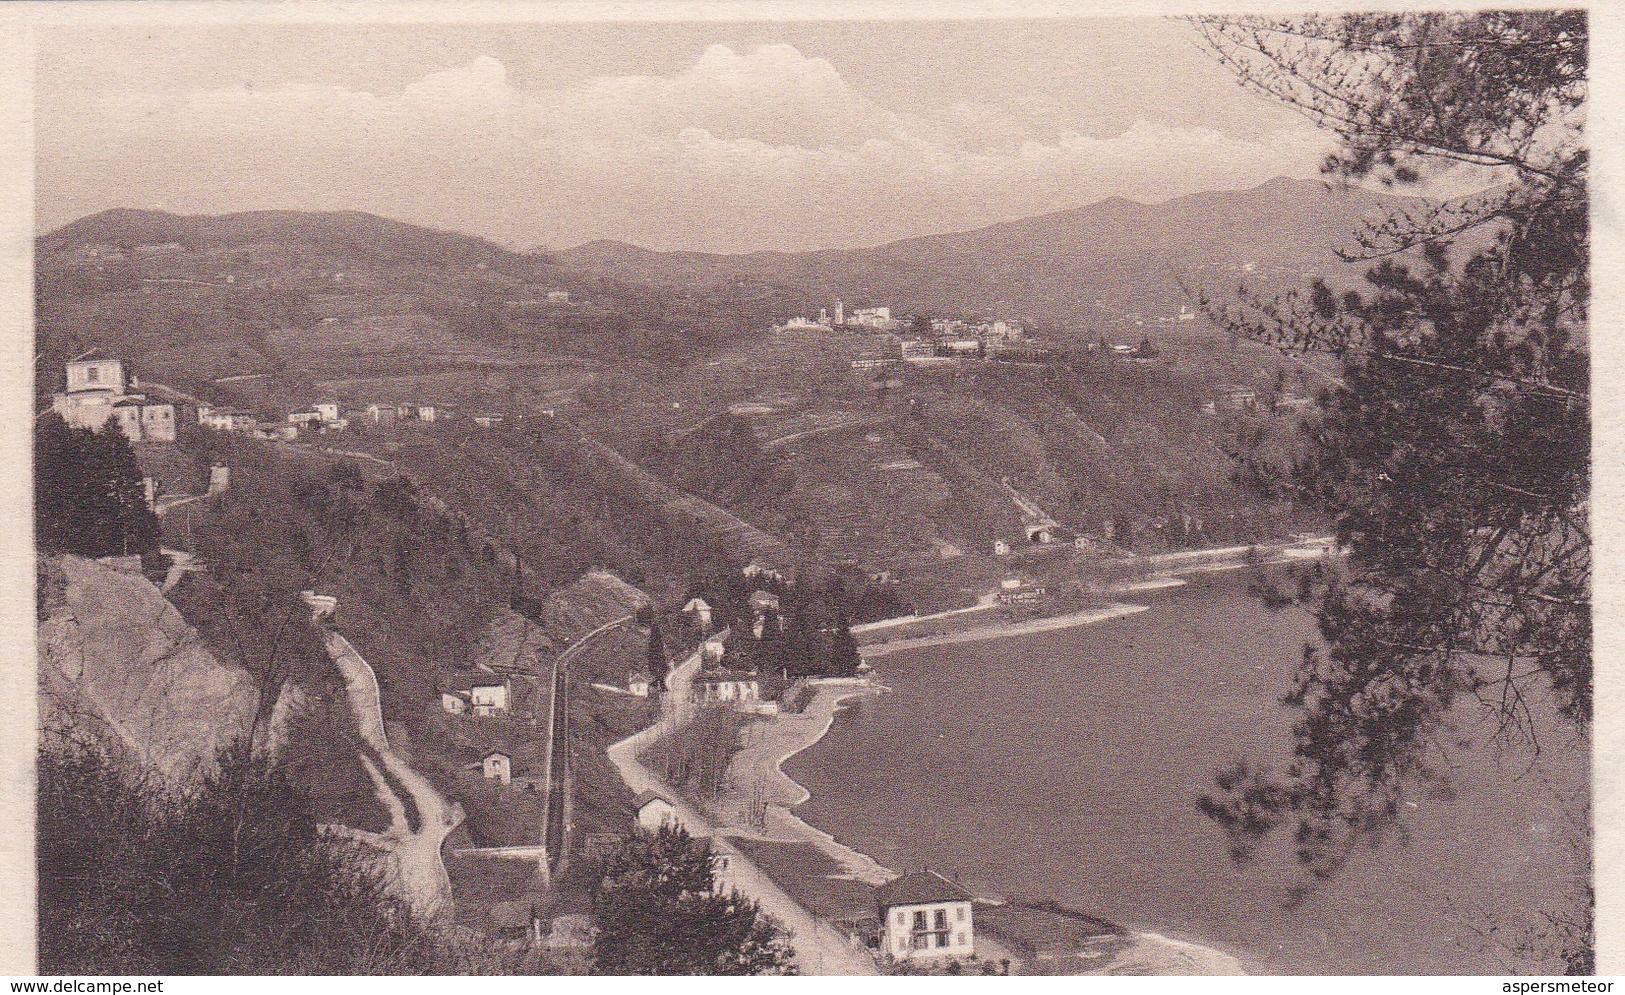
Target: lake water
column 1066, row 765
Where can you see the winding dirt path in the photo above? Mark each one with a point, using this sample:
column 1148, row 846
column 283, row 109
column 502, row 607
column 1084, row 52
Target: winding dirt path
column 419, row 869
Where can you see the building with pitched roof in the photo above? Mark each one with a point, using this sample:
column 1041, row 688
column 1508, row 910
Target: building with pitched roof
column 925, row 915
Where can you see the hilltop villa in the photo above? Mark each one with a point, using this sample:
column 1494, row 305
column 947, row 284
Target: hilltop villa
column 95, row 394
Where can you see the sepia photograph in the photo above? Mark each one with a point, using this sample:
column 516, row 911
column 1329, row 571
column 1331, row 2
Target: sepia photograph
column 777, row 490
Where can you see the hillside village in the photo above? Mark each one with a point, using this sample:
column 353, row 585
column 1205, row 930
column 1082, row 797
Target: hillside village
column 612, row 612
column 512, row 733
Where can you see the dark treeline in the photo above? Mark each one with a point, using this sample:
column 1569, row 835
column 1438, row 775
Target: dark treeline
column 660, row 913
column 809, row 634
column 88, row 496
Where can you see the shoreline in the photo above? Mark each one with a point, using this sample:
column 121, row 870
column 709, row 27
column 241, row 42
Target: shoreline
column 1159, row 952
column 1049, row 623
column 1174, row 566
column 1155, row 951
column 820, row 950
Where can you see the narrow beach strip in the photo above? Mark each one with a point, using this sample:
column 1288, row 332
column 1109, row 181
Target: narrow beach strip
column 760, row 764
column 820, row 949
column 1004, row 630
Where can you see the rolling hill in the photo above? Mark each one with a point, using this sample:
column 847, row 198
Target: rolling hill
column 1092, row 269
column 310, row 296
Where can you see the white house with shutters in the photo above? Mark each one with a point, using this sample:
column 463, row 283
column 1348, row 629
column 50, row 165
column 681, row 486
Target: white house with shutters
column 925, row 915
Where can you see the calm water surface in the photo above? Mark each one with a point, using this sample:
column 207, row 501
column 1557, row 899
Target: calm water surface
column 1066, row 765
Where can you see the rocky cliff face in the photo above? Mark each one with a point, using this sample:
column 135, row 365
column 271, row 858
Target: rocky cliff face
column 115, row 657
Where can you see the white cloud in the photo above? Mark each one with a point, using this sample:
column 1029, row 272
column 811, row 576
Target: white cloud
column 765, row 149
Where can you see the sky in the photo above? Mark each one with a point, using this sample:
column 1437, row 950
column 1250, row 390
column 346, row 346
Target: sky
column 720, row 137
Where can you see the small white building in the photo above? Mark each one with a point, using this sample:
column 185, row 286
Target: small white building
column 480, row 693
column 699, row 611
column 651, row 811
column 497, row 766
column 489, row 698
column 756, row 568
column 1016, row 591
column 328, row 410
column 925, row 915
column 639, row 684
column 1001, row 548
column 321, row 605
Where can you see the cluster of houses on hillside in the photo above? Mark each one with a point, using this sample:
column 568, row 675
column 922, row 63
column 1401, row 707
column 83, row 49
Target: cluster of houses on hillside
column 917, row 339
column 323, row 416
column 97, row 391
column 1245, row 400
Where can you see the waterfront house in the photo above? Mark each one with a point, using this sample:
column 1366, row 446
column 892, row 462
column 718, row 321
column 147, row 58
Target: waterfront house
column 925, row 915
column 730, row 686
column 1016, row 591
column 652, row 810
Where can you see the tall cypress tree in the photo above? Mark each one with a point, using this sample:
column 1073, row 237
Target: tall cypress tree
column 658, row 664
column 843, row 649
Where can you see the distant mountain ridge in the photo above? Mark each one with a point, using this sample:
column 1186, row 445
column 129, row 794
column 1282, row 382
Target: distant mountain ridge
column 1102, row 263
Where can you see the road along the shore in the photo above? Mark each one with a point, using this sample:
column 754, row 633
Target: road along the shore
column 757, row 773
column 819, row 949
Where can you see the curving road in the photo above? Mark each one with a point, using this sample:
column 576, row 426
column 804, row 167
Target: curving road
column 820, row 950
column 420, row 871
